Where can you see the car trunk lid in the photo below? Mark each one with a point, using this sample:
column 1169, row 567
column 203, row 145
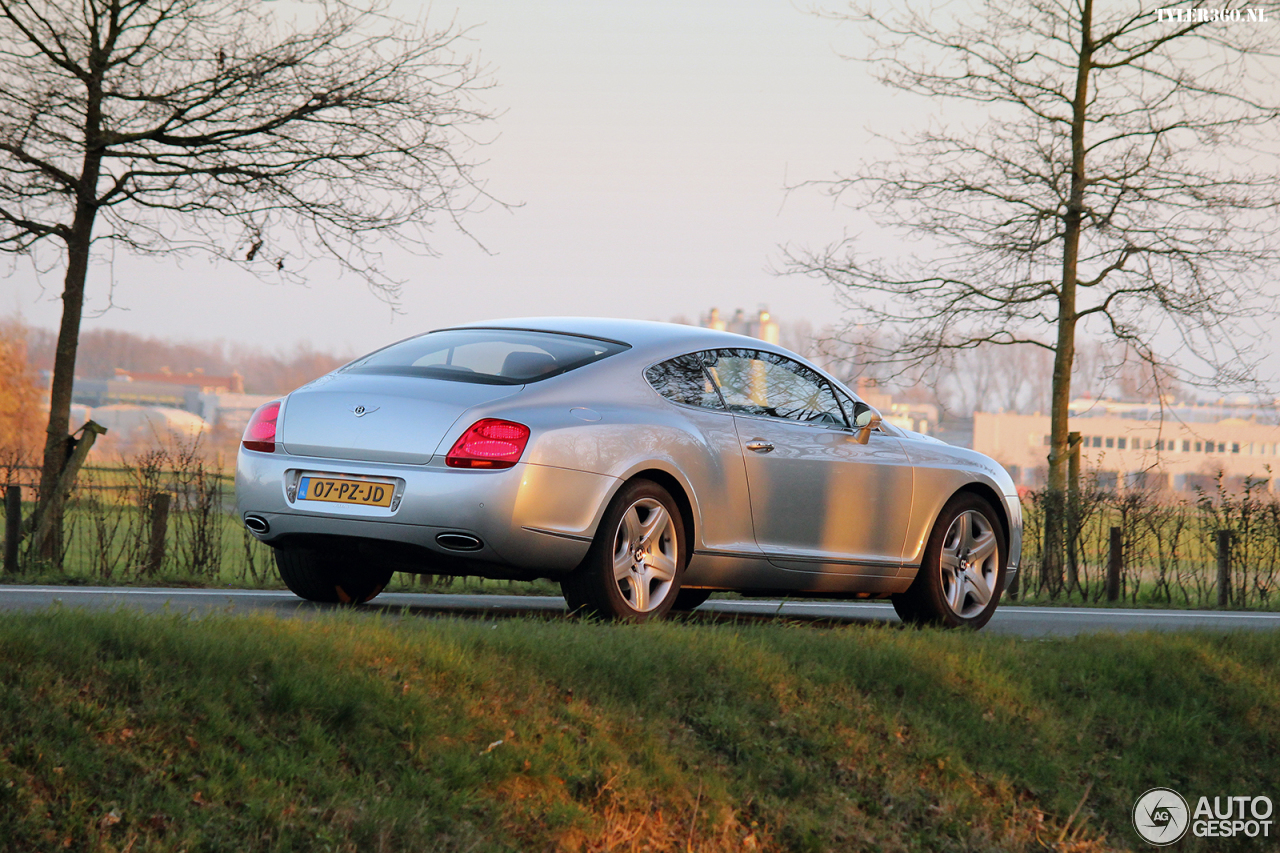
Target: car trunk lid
column 378, row 418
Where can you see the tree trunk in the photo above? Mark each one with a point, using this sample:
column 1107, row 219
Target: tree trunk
column 79, row 241
column 1064, row 356
column 57, row 438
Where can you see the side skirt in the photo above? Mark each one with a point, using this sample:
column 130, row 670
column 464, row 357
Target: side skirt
column 755, row 572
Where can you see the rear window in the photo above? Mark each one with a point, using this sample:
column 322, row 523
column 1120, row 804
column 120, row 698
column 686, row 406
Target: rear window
column 683, row 380
column 486, row 356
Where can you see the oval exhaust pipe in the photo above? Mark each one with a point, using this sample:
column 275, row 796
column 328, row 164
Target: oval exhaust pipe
column 459, row 542
column 256, row 524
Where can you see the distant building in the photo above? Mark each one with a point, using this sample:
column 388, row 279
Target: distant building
column 918, row 417
column 196, row 379
column 128, row 424
column 1129, row 444
column 217, row 401
column 176, row 390
column 761, row 327
column 226, row 410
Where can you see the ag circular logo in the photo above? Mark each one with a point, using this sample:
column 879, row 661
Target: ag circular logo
column 1161, row 816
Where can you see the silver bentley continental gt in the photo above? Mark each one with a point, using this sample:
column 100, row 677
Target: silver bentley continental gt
column 641, row 465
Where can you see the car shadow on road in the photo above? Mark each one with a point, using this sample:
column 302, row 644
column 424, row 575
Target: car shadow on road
column 547, row 612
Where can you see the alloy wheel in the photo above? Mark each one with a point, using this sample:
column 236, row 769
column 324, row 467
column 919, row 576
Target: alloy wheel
column 645, row 555
column 969, row 564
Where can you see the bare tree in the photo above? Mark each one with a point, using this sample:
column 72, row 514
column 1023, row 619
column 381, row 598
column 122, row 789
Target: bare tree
column 214, row 126
column 1114, row 183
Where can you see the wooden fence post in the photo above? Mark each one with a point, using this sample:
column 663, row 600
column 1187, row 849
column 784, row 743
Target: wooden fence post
column 1114, row 560
column 1073, row 511
column 12, row 526
column 159, row 526
column 1224, row 567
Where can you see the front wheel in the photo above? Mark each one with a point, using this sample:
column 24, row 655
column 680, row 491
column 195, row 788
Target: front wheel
column 328, row 578
column 632, row 570
column 962, row 575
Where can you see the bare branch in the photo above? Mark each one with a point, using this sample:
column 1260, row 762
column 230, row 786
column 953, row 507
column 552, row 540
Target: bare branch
column 171, row 126
column 988, row 209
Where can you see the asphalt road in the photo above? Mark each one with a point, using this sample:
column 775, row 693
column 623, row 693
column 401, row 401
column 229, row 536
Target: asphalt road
column 1029, row 622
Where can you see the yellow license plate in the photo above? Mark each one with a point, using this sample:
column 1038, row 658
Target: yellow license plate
column 363, row 492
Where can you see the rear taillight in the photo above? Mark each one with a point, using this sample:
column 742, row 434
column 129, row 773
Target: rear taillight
column 489, row 443
column 260, row 434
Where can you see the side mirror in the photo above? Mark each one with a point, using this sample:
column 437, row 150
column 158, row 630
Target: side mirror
column 864, row 422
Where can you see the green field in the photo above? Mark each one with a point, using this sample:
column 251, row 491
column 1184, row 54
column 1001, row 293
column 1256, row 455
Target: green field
column 353, row 732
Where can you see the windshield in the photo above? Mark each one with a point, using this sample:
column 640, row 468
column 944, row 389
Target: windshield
column 486, row 356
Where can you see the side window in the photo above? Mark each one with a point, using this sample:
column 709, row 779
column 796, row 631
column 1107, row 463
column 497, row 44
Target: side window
column 762, row 383
column 683, row 380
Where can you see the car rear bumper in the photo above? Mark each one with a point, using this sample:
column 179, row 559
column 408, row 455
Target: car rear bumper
column 531, row 519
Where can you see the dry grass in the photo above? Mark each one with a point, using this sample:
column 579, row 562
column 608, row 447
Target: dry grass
column 355, row 732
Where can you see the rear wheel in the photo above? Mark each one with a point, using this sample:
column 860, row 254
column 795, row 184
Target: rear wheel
column 328, row 578
column 962, row 575
column 632, row 570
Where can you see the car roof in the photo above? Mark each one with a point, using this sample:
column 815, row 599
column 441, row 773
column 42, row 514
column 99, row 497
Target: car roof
column 645, row 337
column 649, row 340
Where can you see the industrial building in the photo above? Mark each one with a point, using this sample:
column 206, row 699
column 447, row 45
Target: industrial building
column 219, row 401
column 1132, row 444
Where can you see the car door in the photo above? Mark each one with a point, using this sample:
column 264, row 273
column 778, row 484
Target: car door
column 820, row 501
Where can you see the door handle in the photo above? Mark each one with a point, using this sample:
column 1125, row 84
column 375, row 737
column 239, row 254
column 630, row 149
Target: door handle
column 759, row 445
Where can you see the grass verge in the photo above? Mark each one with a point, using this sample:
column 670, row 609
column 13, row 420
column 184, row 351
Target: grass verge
column 348, row 732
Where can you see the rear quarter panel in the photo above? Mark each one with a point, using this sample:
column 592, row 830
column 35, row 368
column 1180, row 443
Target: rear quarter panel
column 627, row 429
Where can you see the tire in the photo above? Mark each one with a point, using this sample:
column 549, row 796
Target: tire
column 328, row 579
column 632, row 571
column 690, row 599
column 962, row 574
column 574, row 598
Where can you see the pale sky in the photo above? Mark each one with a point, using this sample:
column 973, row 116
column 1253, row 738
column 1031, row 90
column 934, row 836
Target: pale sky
column 646, row 149
column 649, row 146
